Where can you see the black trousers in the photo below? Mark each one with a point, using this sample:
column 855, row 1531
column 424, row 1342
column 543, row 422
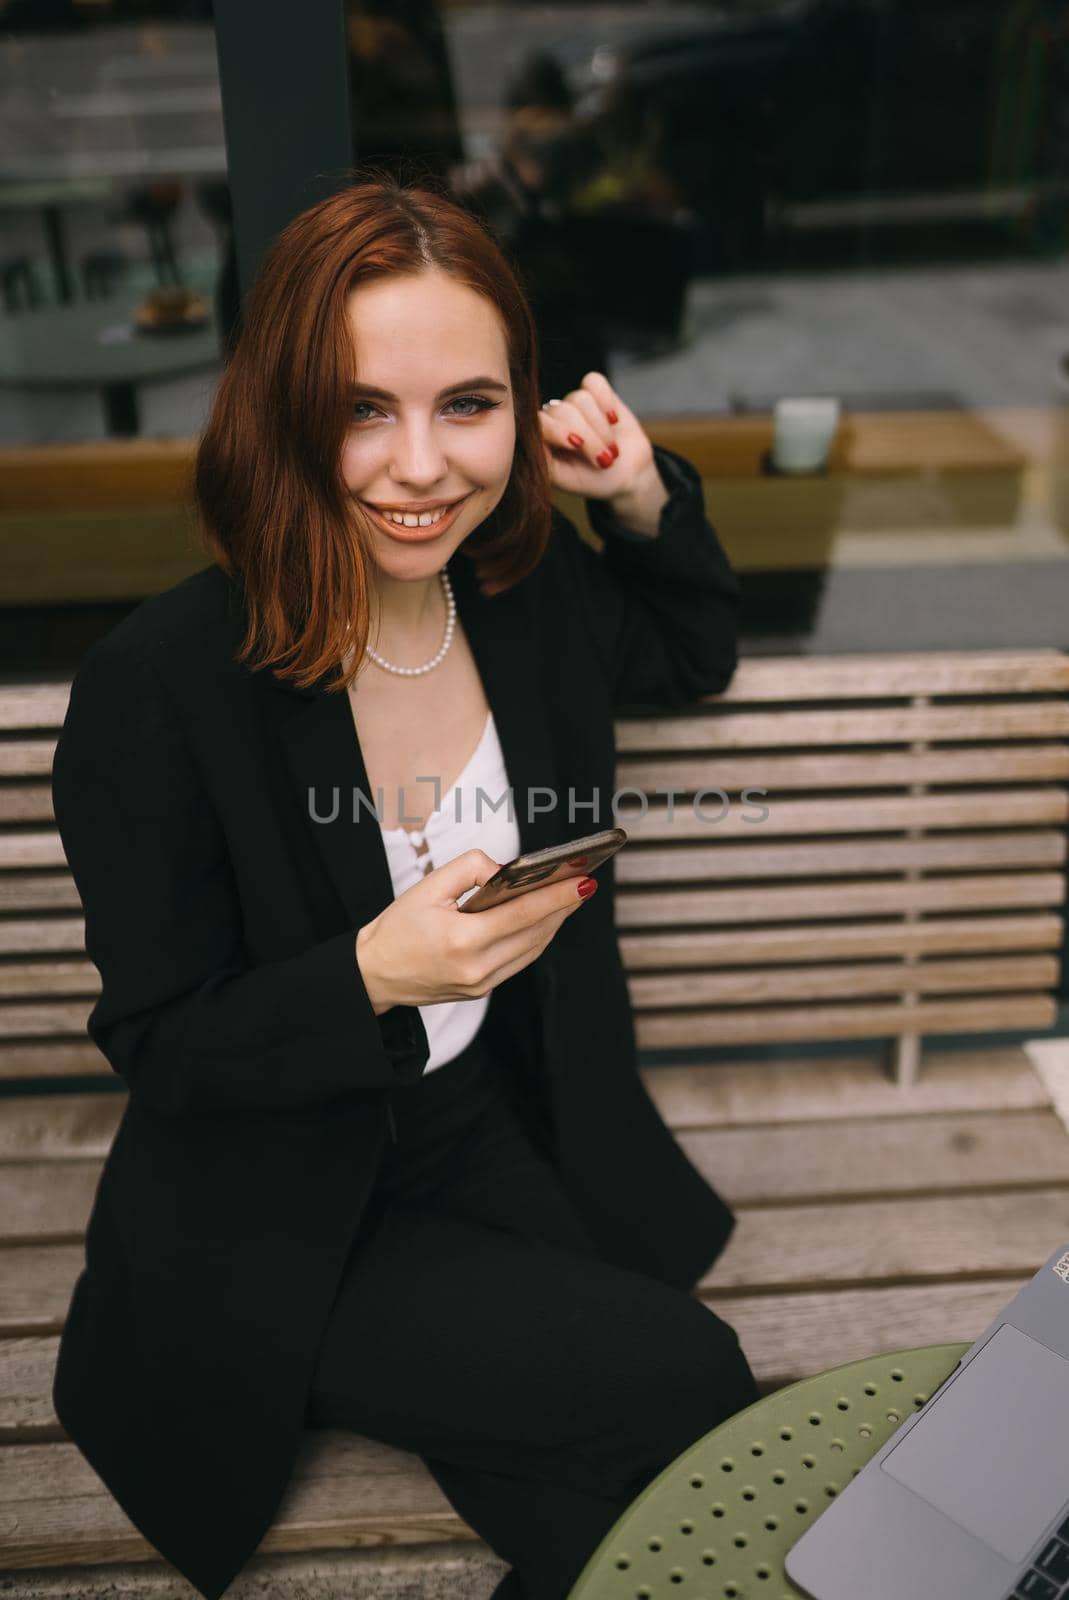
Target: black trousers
column 477, row 1325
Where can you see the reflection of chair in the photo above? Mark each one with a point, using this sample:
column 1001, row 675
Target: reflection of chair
column 19, row 286
column 101, row 270
column 154, row 207
column 619, row 271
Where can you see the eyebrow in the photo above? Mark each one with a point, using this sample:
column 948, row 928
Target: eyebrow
column 454, row 388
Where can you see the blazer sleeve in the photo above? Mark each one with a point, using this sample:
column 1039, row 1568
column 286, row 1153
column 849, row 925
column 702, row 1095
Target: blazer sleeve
column 183, row 1017
column 663, row 612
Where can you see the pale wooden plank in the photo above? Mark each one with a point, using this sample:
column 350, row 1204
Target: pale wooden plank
column 55, row 1128
column 832, row 1245
column 839, row 857
column 39, row 847
column 770, row 1024
column 46, row 1201
column 987, row 891
column 35, row 1288
column 49, row 1201
column 815, row 1089
column 56, row 1017
column 346, row 1492
column 895, row 1241
column 739, row 816
column 852, row 677
column 52, row 1058
column 785, row 1337
column 842, row 769
column 728, row 729
column 34, row 705
column 26, row 758
column 791, row 1336
column 824, row 941
column 660, row 1030
column 887, row 1156
column 25, row 802
column 881, row 674
column 38, row 891
column 26, row 935
column 48, row 977
column 848, row 980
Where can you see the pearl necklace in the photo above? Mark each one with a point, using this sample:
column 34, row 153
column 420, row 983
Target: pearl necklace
column 412, row 672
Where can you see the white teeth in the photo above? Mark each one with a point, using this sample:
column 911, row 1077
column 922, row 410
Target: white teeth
column 409, row 519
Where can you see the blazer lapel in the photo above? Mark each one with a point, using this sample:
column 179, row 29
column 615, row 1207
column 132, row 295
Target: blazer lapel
column 326, row 762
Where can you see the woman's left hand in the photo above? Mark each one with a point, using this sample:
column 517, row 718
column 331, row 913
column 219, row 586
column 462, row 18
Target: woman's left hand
column 596, row 447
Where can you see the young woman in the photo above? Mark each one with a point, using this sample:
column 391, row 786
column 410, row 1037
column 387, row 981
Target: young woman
column 385, row 1165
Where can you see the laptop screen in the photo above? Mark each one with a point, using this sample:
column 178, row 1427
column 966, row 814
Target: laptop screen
column 992, row 1452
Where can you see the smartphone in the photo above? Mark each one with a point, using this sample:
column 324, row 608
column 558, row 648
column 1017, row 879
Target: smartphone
column 576, row 859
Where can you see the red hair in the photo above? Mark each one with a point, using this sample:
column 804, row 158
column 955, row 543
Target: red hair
column 267, row 479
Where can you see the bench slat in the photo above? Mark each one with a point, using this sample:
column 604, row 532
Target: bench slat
column 858, row 858
column 786, row 1337
column 38, row 891
column 24, row 978
column 48, row 1201
column 791, row 1336
column 739, row 817
column 77, row 1126
column 833, row 1244
column 987, row 891
column 770, row 1024
column 729, row 729
column 40, row 978
column 883, row 674
column 830, row 1089
column 943, row 1238
column 841, row 769
column 20, row 1018
column 346, row 1491
column 824, row 941
column 745, row 986
column 26, row 758
column 51, row 1058
column 34, row 705
column 21, row 936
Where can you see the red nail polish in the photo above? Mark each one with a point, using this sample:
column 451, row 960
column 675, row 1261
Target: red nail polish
column 586, row 887
column 615, row 448
column 612, row 416
column 605, row 459
column 576, row 440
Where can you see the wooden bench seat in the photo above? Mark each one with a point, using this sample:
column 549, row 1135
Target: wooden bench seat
column 908, row 882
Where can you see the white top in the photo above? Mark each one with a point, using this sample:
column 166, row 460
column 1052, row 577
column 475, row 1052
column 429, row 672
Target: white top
column 477, row 812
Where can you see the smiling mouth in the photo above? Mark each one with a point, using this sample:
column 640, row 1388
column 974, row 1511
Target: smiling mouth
column 431, row 518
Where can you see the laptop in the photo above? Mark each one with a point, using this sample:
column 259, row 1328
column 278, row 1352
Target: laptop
column 969, row 1498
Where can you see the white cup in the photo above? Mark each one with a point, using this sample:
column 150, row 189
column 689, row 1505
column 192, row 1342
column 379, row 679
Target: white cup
column 803, row 434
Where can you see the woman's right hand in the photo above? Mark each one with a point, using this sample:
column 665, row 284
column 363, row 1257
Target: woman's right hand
column 422, row 950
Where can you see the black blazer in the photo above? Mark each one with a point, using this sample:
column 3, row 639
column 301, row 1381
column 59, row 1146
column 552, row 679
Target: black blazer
column 222, row 918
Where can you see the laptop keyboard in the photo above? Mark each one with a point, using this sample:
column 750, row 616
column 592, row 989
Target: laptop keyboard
column 1047, row 1575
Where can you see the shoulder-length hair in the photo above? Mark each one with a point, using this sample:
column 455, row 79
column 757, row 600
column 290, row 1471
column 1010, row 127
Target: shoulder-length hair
column 268, row 484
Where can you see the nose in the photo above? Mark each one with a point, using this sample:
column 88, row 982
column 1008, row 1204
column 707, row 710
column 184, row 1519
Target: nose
column 418, row 459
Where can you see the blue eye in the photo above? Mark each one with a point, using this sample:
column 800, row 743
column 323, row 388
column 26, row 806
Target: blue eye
column 477, row 402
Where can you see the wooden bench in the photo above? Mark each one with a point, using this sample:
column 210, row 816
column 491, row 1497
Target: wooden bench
column 908, row 883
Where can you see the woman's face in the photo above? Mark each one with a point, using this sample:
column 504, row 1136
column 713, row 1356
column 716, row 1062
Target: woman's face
column 432, row 428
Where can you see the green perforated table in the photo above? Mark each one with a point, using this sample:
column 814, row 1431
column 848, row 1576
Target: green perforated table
column 717, row 1523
